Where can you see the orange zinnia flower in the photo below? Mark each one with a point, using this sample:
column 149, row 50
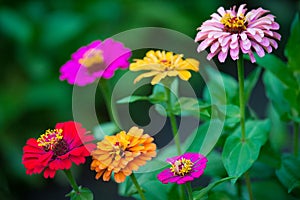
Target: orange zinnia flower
column 122, row 153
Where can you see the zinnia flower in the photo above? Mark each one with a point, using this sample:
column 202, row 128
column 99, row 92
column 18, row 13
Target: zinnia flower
column 122, row 153
column 57, row 149
column 98, row 59
column 183, row 168
column 231, row 32
column 162, row 64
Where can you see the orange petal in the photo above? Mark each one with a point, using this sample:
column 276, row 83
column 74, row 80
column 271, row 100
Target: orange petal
column 119, row 177
column 106, row 175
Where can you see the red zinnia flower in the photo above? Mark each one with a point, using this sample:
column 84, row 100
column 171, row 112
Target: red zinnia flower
column 57, row 149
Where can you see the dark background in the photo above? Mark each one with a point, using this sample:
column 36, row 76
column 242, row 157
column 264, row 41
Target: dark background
column 37, row 37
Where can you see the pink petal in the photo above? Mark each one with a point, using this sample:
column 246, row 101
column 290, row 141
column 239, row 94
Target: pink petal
column 234, row 53
column 214, row 47
column 221, row 11
column 252, row 58
column 241, row 10
column 222, row 56
column 243, row 36
column 224, row 40
column 204, row 44
column 211, row 55
column 259, row 50
column 273, row 43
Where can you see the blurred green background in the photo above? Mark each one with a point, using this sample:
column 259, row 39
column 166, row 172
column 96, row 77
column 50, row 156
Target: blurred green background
column 37, row 37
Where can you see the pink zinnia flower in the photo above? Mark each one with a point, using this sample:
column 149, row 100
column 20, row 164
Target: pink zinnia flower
column 57, row 149
column 231, row 32
column 97, row 59
column 183, row 168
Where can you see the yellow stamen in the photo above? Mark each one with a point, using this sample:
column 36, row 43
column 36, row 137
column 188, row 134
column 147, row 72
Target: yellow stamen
column 182, row 167
column 234, row 24
column 91, row 58
column 50, row 138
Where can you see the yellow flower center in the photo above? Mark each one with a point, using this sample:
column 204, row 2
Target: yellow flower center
column 119, row 150
column 182, row 167
column 92, row 59
column 234, row 24
column 50, row 138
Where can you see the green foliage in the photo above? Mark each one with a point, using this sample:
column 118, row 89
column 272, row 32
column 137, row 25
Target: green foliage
column 289, row 174
column 202, row 193
column 239, row 156
column 84, row 194
column 108, row 128
column 292, row 48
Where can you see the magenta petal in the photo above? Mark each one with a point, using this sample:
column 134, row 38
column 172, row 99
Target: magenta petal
column 184, row 179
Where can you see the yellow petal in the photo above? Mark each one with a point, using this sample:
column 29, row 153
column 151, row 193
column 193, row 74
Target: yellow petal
column 145, row 66
column 158, row 77
column 172, row 73
column 191, row 64
column 184, row 75
column 144, row 75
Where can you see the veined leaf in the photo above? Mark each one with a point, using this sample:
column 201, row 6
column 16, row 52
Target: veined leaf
column 238, row 156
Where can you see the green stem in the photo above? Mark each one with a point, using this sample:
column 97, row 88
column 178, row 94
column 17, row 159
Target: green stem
column 248, row 184
column 189, row 190
column 172, row 120
column 296, row 138
column 139, row 189
column 106, row 92
column 72, row 180
column 240, row 64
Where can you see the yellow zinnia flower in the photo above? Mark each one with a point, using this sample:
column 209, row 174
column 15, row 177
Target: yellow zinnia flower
column 162, row 64
column 122, row 153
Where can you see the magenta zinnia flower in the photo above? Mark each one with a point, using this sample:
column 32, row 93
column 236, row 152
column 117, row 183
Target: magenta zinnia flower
column 97, row 59
column 183, row 168
column 57, row 149
column 231, row 32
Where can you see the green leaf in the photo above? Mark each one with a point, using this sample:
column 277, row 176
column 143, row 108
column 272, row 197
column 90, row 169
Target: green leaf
column 292, row 48
column 215, row 88
column 198, row 195
column 131, row 99
column 277, row 67
column 186, row 106
column 215, row 167
column 84, row 194
column 205, row 137
column 238, row 156
column 60, row 27
column 16, row 26
column 275, row 91
column 108, row 128
column 269, row 189
column 250, row 82
column 152, row 187
column 289, row 173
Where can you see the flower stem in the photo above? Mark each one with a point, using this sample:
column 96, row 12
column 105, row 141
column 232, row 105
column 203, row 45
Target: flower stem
column 240, row 64
column 72, row 180
column 248, row 184
column 296, row 138
column 139, row 189
column 172, row 120
column 106, row 92
column 189, row 190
